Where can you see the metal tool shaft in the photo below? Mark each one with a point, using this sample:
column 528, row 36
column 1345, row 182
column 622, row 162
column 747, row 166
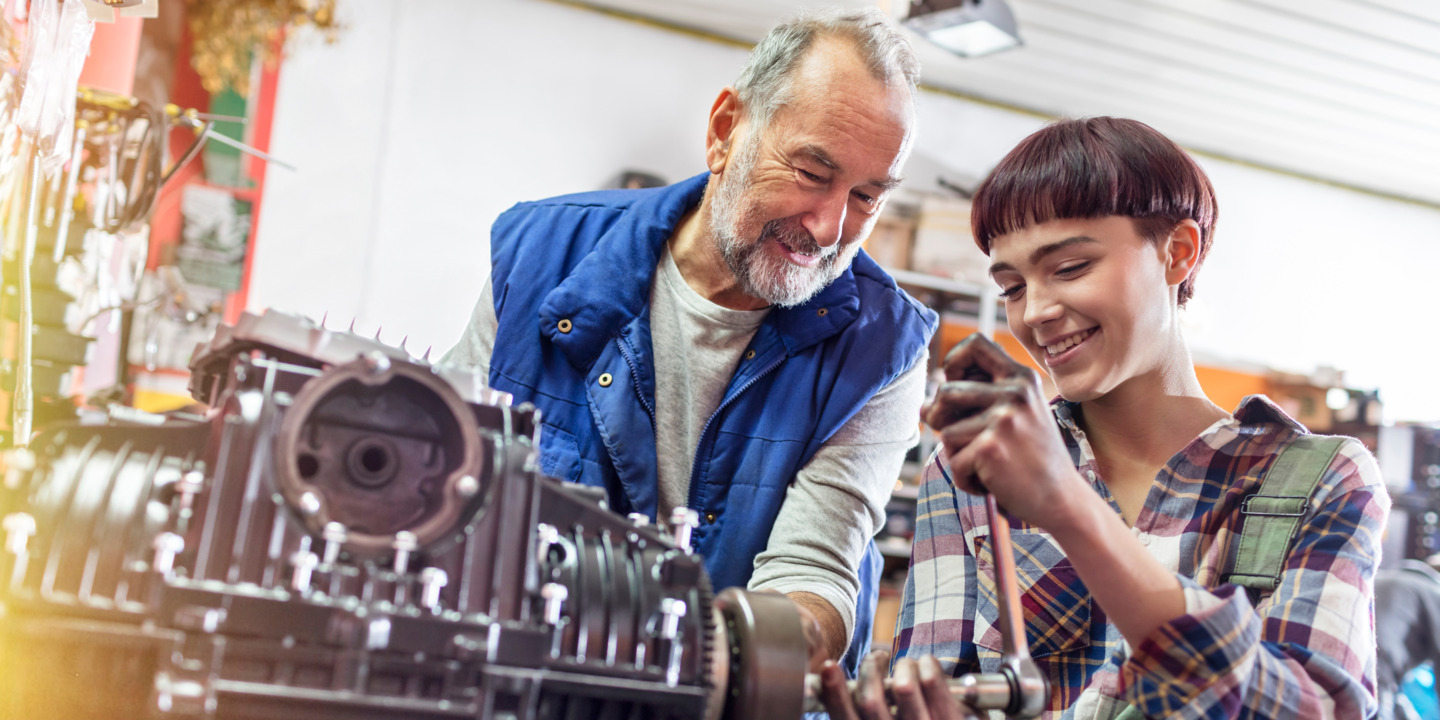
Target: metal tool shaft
column 977, row 691
column 1018, row 690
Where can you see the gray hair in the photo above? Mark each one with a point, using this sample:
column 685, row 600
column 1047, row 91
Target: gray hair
column 764, row 83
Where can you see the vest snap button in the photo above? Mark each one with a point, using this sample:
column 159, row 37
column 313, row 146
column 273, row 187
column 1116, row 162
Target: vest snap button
column 564, row 325
column 822, row 312
column 710, row 516
column 606, row 379
column 750, row 355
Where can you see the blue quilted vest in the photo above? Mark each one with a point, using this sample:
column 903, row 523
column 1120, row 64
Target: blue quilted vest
column 571, row 278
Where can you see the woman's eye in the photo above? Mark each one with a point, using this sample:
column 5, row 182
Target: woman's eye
column 1072, row 269
column 1011, row 292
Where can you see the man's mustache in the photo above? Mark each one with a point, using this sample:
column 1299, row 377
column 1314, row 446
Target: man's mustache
column 796, row 237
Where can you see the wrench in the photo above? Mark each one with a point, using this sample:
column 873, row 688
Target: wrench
column 1018, row 689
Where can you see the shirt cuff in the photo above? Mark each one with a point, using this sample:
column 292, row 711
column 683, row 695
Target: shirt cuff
column 1194, row 661
column 843, row 605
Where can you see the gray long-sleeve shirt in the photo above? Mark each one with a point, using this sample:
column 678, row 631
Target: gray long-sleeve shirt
column 837, row 500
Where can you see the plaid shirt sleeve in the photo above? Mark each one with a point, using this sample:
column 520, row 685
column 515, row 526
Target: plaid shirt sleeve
column 1308, row 651
column 937, row 611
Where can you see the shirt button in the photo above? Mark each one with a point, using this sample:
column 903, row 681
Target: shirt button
column 564, row 325
column 710, row 517
column 606, row 379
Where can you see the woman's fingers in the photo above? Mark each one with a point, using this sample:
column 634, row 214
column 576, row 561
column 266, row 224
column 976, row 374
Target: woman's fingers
column 978, row 357
column 959, row 400
column 870, row 697
column 935, row 686
column 835, row 693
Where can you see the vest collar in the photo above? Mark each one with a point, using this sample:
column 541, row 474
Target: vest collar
column 610, row 287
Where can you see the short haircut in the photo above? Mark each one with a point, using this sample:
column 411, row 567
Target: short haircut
column 1092, row 168
column 764, row 84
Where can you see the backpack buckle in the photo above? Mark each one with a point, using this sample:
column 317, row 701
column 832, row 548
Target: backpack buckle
column 1279, row 508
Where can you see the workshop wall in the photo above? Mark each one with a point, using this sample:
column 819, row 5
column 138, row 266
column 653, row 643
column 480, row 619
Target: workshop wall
column 426, row 120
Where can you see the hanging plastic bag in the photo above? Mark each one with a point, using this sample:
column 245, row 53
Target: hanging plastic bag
column 59, row 40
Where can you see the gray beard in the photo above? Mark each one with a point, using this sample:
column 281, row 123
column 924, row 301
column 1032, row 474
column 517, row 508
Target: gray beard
column 763, row 275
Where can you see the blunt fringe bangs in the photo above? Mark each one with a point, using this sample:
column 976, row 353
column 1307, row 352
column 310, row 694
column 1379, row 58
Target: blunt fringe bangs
column 1093, row 168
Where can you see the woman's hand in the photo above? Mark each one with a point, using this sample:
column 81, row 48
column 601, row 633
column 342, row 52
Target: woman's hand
column 919, row 689
column 1000, row 436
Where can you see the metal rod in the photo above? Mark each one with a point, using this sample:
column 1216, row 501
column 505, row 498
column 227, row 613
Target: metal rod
column 25, row 366
column 977, row 691
column 1012, row 626
column 67, row 202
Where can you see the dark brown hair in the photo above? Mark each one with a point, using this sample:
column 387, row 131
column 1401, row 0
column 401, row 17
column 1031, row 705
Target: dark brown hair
column 1092, row 168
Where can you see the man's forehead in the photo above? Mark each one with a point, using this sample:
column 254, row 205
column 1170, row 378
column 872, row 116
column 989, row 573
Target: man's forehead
column 830, row 137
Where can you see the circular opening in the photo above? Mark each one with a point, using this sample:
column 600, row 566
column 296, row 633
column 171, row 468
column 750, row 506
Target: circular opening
column 309, row 465
column 372, row 462
column 374, row 458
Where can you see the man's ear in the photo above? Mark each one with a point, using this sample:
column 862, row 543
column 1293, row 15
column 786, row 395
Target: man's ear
column 1181, row 251
column 720, row 133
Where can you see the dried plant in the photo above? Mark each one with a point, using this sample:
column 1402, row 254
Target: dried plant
column 226, row 33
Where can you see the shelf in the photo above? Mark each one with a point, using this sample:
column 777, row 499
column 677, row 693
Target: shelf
column 938, row 284
column 894, row 547
column 957, row 297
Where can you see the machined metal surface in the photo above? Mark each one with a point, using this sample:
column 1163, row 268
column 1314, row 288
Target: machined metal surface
column 349, row 534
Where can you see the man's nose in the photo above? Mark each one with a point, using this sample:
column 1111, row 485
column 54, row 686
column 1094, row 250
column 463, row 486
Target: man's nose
column 826, row 220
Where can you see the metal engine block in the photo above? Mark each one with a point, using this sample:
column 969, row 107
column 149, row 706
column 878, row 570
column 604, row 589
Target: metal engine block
column 347, row 534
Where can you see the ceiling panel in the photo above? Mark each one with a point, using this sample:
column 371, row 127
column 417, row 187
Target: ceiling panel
column 1346, row 91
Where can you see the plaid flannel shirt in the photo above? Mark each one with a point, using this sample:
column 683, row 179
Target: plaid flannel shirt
column 1307, row 651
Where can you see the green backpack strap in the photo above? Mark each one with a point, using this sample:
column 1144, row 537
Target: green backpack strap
column 1130, row 713
column 1271, row 517
column 1273, row 513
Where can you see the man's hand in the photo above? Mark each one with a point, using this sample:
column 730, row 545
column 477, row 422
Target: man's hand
column 919, row 689
column 824, row 629
column 999, row 434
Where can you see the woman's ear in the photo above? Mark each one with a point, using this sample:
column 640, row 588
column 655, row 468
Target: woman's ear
column 1181, row 251
column 725, row 117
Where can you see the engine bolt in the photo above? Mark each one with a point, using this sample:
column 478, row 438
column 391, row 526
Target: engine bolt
column 309, row 503
column 304, row 563
column 639, row 519
column 405, row 543
column 18, row 529
column 432, row 581
column 17, row 462
column 377, row 361
column 554, row 595
column 671, row 610
column 167, row 546
column 467, row 486
column 682, row 521
column 546, row 537
column 189, row 486
column 335, row 537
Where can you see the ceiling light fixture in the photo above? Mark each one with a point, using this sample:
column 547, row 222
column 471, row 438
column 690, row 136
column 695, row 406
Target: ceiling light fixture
column 968, row 28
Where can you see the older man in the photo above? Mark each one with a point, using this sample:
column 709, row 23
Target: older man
column 722, row 344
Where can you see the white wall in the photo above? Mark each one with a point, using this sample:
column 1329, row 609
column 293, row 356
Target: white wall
column 426, row 119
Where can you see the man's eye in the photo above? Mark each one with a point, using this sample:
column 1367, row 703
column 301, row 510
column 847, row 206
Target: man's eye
column 862, row 197
column 812, row 177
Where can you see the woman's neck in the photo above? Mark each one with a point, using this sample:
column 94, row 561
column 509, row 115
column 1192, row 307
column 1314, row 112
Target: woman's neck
column 1151, row 416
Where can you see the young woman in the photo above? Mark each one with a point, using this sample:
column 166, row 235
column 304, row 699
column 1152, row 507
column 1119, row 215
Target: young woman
column 1128, row 493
